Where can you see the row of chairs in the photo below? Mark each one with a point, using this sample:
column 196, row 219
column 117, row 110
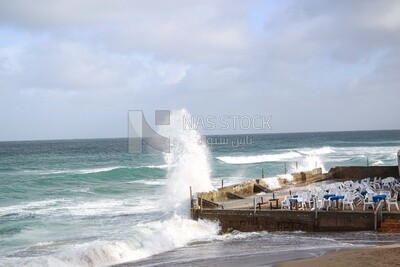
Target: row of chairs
column 365, row 192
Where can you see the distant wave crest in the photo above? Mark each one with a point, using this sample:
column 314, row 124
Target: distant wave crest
column 276, row 157
column 91, row 170
column 163, row 166
column 318, row 151
column 259, row 158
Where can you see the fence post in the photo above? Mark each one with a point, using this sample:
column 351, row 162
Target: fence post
column 255, row 205
column 191, row 197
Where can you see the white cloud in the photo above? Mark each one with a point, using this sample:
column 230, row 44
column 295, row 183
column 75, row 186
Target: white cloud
column 308, row 63
column 75, row 67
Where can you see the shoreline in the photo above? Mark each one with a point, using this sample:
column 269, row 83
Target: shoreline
column 386, row 255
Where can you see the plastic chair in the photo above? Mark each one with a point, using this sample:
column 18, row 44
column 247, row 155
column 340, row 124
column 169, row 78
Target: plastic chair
column 307, row 200
column 368, row 200
column 393, row 201
column 285, row 203
column 348, row 200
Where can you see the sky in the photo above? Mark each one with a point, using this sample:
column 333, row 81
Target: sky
column 72, row 69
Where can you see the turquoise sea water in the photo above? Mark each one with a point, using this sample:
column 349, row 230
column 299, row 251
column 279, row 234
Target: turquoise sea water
column 90, row 202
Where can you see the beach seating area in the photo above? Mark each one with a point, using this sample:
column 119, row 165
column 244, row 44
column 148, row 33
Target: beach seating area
column 369, row 204
column 364, row 195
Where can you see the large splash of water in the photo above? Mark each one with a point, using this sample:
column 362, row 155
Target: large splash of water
column 188, row 163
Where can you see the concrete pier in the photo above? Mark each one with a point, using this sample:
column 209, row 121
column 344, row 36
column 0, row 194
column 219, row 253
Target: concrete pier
column 237, row 207
column 286, row 220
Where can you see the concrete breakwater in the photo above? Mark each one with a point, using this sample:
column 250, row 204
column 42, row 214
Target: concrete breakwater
column 226, row 205
column 286, row 220
column 356, row 172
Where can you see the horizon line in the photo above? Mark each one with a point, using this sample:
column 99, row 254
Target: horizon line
column 229, row 134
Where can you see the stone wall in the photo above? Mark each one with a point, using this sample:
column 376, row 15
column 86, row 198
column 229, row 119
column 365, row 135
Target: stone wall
column 247, row 188
column 243, row 189
column 308, row 176
column 280, row 220
column 360, row 172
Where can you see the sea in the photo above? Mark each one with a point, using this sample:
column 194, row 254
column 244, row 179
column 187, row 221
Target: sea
column 91, row 203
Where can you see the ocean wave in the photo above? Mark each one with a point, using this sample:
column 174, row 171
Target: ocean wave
column 364, row 150
column 73, row 171
column 289, row 155
column 85, row 171
column 149, row 182
column 146, row 239
column 377, row 163
column 317, row 151
column 379, row 155
column 29, row 206
column 162, row 166
column 62, row 207
column 97, row 170
column 258, row 158
column 237, row 235
column 107, row 207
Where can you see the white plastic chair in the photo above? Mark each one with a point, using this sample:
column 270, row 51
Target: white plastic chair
column 348, row 200
column 285, row 203
column 358, row 198
column 307, row 200
column 369, row 201
column 376, row 186
column 386, row 185
column 320, row 203
column 393, row 201
column 369, row 190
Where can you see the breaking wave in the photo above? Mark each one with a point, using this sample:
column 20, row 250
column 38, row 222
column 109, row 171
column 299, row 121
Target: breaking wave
column 259, row 158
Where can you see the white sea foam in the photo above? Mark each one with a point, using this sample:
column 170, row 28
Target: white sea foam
column 283, row 156
column 306, row 159
column 63, row 207
column 162, row 166
column 377, row 163
column 259, row 158
column 73, row 171
column 308, row 163
column 272, row 182
column 234, row 235
column 146, row 240
column 149, row 182
column 29, row 206
column 379, row 155
column 317, row 151
column 108, row 206
column 97, row 170
column 365, row 151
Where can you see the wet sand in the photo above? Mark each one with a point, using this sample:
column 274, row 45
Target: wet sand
column 388, row 255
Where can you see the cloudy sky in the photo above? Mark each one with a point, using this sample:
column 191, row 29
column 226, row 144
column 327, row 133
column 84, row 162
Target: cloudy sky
column 72, row 69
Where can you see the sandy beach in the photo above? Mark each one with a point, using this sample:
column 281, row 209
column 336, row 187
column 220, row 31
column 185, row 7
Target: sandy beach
column 387, row 255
